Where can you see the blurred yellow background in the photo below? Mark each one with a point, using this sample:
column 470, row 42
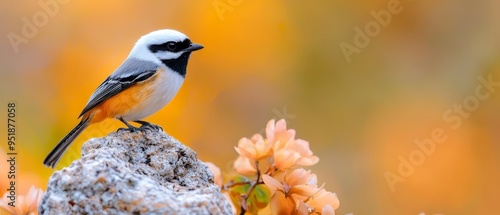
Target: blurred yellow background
column 278, row 59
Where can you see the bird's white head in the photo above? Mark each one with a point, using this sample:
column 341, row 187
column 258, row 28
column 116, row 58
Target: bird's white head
column 168, row 47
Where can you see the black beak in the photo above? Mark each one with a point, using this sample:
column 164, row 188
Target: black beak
column 193, row 47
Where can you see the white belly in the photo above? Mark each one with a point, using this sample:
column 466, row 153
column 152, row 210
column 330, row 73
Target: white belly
column 156, row 95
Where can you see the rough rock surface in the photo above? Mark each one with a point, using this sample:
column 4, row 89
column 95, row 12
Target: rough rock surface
column 143, row 172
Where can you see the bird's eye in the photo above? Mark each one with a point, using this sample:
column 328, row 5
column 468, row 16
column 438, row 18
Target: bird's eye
column 171, row 46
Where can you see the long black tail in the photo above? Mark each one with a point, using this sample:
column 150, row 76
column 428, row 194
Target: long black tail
column 53, row 158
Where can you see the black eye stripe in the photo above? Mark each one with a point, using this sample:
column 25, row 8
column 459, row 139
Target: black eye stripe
column 165, row 46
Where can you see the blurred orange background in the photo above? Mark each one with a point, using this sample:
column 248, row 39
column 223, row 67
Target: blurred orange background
column 277, row 59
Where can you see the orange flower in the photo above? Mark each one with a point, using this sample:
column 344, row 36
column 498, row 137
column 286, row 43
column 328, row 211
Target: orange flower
column 285, row 159
column 25, row 205
column 324, row 202
column 294, row 152
column 307, row 158
column 288, row 151
column 255, row 148
column 278, row 134
column 327, row 210
column 245, row 166
column 280, row 204
column 216, row 172
column 299, row 194
column 296, row 187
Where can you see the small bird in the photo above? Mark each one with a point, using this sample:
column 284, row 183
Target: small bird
column 146, row 81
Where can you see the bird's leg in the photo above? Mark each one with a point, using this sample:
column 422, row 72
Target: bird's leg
column 145, row 125
column 130, row 127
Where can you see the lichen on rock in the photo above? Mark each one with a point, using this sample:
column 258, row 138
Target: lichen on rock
column 142, row 172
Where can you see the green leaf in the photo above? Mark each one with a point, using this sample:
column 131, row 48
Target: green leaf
column 241, row 189
column 259, row 198
column 237, row 191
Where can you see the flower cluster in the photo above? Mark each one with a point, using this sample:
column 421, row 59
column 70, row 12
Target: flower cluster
column 299, row 193
column 280, row 148
column 279, row 182
column 24, row 205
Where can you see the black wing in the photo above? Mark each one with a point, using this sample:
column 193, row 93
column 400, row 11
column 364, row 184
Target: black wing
column 129, row 73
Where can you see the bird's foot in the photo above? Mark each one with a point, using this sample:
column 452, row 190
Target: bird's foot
column 148, row 126
column 152, row 127
column 129, row 129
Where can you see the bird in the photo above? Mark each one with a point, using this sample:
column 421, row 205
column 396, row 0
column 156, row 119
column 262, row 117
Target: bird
column 144, row 83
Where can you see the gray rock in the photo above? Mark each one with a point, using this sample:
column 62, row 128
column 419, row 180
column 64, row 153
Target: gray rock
column 143, row 172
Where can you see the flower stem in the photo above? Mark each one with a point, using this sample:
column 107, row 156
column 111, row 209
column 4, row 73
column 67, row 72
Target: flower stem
column 234, row 184
column 254, row 184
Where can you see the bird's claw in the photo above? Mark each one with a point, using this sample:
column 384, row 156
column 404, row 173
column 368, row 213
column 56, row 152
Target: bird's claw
column 148, row 126
column 131, row 129
column 151, row 127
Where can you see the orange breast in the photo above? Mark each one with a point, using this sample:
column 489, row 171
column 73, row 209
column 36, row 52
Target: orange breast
column 121, row 103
